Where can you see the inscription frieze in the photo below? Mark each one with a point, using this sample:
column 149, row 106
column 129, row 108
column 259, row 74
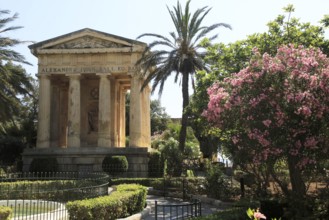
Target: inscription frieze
column 87, row 69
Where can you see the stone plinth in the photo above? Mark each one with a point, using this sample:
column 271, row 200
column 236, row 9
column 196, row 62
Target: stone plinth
column 90, row 159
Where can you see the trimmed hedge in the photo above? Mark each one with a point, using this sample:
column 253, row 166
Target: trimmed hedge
column 5, row 213
column 115, row 165
column 229, row 214
column 195, row 185
column 155, row 166
column 140, row 181
column 48, row 190
column 126, row 200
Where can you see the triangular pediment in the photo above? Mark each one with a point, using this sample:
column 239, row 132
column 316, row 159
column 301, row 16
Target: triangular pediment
column 87, row 42
column 83, row 40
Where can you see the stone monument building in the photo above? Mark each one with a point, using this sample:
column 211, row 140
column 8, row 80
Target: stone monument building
column 83, row 80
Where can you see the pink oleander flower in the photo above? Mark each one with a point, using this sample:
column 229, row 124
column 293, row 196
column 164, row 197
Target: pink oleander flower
column 258, row 215
column 267, row 122
column 255, row 214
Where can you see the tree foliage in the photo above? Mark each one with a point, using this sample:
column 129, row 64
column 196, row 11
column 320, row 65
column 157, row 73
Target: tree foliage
column 14, row 81
column 226, row 59
column 276, row 108
column 18, row 98
column 159, row 117
column 182, row 55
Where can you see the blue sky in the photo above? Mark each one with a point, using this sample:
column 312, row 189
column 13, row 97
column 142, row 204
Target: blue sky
column 45, row 19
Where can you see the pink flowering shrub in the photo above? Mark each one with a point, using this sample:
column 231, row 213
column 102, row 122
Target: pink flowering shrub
column 255, row 214
column 278, row 107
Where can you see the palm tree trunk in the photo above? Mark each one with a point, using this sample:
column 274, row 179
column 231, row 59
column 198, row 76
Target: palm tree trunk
column 184, row 122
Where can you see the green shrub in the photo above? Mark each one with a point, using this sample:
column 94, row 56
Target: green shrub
column 217, row 185
column 2, row 172
column 228, row 214
column 126, row 200
column 115, row 165
column 155, row 166
column 5, row 213
column 43, row 165
column 189, row 173
column 194, row 185
column 140, row 181
column 46, row 190
column 171, row 157
column 137, row 201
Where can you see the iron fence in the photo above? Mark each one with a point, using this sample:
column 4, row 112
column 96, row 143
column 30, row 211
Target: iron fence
column 184, row 210
column 39, row 196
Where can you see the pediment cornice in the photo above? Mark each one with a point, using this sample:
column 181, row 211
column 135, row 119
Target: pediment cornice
column 87, row 41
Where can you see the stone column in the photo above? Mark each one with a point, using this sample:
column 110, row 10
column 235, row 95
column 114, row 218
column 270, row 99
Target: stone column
column 43, row 137
column 74, row 111
column 63, row 129
column 122, row 128
column 104, row 114
column 135, row 124
column 117, row 115
column 147, row 116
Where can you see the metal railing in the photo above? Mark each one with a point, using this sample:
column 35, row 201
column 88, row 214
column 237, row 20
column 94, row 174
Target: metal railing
column 184, row 210
column 44, row 195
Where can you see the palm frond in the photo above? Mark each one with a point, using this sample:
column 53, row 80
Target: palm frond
column 203, row 31
column 181, row 55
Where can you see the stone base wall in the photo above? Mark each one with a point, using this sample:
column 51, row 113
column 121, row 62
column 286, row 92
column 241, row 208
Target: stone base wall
column 89, row 159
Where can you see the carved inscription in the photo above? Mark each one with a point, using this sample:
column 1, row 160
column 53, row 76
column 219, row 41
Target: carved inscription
column 92, row 69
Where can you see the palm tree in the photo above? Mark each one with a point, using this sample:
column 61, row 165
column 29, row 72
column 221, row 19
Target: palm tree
column 184, row 55
column 6, row 53
column 13, row 80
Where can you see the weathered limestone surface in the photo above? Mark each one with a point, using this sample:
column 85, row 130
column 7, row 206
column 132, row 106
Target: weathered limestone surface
column 104, row 119
column 44, row 112
column 74, row 111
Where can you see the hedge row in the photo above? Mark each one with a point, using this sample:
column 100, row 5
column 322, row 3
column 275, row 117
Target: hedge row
column 126, row 200
column 5, row 212
column 59, row 190
column 229, row 214
column 194, row 185
column 140, row 181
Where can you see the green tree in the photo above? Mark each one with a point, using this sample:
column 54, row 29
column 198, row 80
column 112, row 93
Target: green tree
column 225, row 59
column 14, row 81
column 159, row 117
column 277, row 109
column 192, row 146
column 182, row 55
column 20, row 132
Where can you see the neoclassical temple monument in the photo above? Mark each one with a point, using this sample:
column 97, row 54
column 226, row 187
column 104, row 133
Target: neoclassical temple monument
column 83, row 80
